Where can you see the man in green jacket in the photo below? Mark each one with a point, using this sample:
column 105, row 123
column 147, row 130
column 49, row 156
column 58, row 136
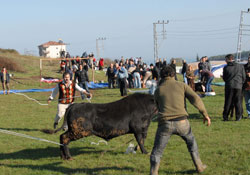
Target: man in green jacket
column 172, row 118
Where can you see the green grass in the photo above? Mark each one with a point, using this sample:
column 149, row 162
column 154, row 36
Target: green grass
column 224, row 146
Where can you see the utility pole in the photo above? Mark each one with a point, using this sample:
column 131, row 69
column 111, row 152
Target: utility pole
column 97, row 46
column 242, row 27
column 163, row 34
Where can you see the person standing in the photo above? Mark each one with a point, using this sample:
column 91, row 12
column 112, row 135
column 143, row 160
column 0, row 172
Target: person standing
column 101, row 63
column 184, row 70
column 137, row 77
column 172, row 118
column 173, row 65
column 82, row 78
column 122, row 75
column 246, row 87
column 66, row 90
column 234, row 76
column 111, row 76
column 190, row 77
column 5, row 79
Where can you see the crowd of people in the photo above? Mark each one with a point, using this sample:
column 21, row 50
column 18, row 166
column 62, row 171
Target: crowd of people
column 132, row 73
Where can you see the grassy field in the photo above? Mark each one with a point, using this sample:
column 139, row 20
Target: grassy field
column 224, row 146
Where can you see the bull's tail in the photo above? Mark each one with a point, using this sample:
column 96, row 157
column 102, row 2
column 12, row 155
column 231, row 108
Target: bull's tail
column 51, row 131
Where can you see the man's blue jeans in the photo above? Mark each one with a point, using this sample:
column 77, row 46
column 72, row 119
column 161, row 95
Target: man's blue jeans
column 185, row 78
column 137, row 81
column 84, row 85
column 208, row 84
column 165, row 131
column 247, row 100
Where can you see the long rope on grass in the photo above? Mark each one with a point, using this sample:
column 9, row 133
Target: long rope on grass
column 42, row 104
column 45, row 104
column 28, row 137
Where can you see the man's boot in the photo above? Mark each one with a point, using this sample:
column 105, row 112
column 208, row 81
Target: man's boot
column 154, row 167
column 200, row 167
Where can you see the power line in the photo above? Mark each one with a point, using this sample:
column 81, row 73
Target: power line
column 200, row 34
column 205, row 31
column 200, row 18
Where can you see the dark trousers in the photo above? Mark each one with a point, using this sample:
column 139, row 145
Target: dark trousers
column 233, row 97
column 130, row 81
column 123, row 88
column 111, row 83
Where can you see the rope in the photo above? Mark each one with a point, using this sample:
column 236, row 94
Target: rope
column 100, row 141
column 21, row 82
column 102, row 153
column 28, row 137
column 45, row 104
column 42, row 104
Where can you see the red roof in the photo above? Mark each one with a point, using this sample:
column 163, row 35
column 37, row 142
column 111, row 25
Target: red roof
column 51, row 43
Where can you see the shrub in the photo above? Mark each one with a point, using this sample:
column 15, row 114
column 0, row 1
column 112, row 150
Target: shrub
column 13, row 51
column 10, row 65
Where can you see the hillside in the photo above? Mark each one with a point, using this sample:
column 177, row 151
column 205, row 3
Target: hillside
column 25, row 70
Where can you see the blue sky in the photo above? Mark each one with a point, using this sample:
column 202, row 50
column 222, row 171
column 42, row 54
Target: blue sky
column 195, row 26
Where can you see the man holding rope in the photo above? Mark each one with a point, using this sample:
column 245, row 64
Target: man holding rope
column 66, row 90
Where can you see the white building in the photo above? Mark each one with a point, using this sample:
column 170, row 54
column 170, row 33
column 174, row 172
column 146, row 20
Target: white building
column 52, row 49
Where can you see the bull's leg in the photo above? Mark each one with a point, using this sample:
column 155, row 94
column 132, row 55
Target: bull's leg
column 65, row 139
column 140, row 141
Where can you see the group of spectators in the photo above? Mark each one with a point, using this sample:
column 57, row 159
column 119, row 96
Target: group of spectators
column 204, row 72
column 132, row 73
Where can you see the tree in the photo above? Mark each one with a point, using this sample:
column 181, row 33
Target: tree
column 197, row 58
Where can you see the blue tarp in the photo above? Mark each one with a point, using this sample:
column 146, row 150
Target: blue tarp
column 219, row 84
column 91, row 85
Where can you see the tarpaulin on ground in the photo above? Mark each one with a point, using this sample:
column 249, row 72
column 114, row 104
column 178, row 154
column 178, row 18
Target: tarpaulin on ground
column 91, row 85
column 219, row 84
column 29, row 90
column 50, row 80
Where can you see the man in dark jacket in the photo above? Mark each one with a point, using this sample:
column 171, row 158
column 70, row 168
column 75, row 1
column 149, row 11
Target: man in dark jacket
column 82, row 77
column 155, row 72
column 111, row 76
column 173, row 65
column 184, row 70
column 234, row 77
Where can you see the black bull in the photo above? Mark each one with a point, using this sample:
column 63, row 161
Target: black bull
column 130, row 115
